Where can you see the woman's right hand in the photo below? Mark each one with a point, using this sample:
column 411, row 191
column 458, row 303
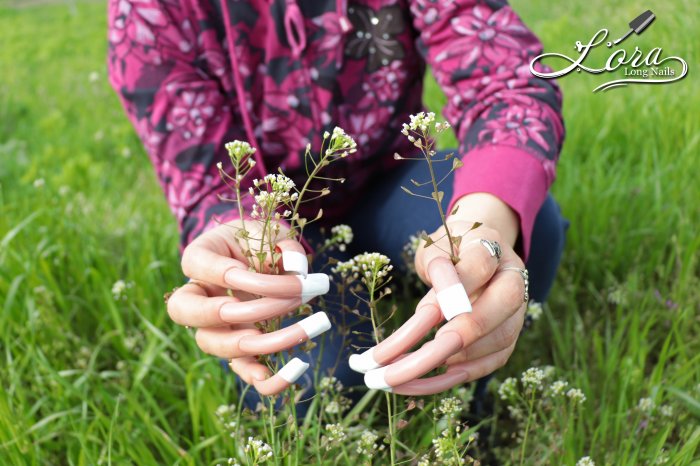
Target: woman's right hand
column 215, row 263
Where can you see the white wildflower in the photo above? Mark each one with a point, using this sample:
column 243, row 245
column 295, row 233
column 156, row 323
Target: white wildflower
column 576, row 395
column 39, row 183
column 366, row 445
column 534, row 310
column 94, row 76
column 366, row 266
column 258, row 450
column 666, row 410
column 120, row 288
column 508, row 388
column 532, row 378
column 332, row 408
column 557, row 388
column 335, row 434
column 238, row 150
column 328, row 383
column 450, row 406
column 646, row 405
column 585, row 461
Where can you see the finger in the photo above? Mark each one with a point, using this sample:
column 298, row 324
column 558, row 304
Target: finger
column 191, row 305
column 225, row 342
column 257, row 310
column 499, row 301
column 502, row 337
column 283, row 379
column 447, row 299
column 206, row 260
column 278, row 286
column 427, row 316
column 293, row 257
column 249, row 369
column 456, row 374
column 430, row 356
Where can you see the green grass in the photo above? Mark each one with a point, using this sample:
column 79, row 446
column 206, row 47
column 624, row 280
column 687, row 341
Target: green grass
column 90, row 380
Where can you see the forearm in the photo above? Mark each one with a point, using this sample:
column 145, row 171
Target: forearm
column 491, row 211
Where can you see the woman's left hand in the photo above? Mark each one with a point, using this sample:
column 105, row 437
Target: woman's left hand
column 471, row 344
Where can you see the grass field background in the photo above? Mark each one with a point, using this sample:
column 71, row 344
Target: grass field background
column 89, row 379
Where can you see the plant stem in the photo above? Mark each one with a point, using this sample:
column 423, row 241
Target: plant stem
column 436, row 196
column 527, row 426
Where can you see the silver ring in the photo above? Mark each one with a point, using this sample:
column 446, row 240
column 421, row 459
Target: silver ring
column 526, row 278
column 493, row 248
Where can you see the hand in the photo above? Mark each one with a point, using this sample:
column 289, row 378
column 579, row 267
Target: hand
column 225, row 324
column 472, row 344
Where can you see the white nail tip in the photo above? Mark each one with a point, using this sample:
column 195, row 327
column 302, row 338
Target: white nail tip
column 375, row 379
column 313, row 285
column 363, row 362
column 296, row 262
column 454, row 301
column 293, row 370
column 315, row 324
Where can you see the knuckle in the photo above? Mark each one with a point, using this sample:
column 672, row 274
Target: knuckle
column 514, row 292
column 508, row 334
column 478, row 326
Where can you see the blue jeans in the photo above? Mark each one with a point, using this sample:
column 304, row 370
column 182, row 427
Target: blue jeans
column 383, row 219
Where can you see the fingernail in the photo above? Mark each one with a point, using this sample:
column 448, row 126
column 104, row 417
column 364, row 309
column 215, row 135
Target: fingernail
column 363, row 362
column 454, row 301
column 230, row 274
column 313, row 285
column 295, row 262
column 293, row 370
column 374, row 379
column 315, row 324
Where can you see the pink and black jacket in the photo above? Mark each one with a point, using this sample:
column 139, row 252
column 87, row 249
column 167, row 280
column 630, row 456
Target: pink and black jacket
column 195, row 74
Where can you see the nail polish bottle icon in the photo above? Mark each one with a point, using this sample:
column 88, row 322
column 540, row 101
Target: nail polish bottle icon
column 638, row 25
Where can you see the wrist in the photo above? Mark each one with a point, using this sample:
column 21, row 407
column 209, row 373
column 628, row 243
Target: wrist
column 491, row 211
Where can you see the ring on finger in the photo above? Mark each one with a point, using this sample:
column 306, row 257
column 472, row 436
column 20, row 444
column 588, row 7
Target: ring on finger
column 526, row 278
column 493, row 248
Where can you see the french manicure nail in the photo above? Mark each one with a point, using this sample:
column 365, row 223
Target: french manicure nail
column 293, row 370
column 295, row 262
column 454, row 301
column 314, row 284
column 315, row 324
column 374, row 379
column 363, row 362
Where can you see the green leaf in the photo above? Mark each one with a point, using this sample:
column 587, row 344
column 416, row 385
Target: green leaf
column 415, row 182
column 457, row 163
column 454, row 211
column 475, row 226
column 457, row 240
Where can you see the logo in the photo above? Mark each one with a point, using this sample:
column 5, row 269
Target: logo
column 639, row 68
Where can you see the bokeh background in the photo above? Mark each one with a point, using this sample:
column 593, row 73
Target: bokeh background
column 93, row 372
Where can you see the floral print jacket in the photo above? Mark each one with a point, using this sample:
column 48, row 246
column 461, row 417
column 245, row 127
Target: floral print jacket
column 195, row 74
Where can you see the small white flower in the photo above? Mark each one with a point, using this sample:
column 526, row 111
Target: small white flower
column 366, row 445
column 258, row 450
column 450, row 407
column 534, row 310
column 508, row 388
column 585, row 461
column 39, row 183
column 576, row 395
column 532, row 378
column 335, row 433
column 646, row 405
column 666, row 410
column 557, row 388
column 120, row 288
column 333, row 407
column 239, row 150
column 93, row 76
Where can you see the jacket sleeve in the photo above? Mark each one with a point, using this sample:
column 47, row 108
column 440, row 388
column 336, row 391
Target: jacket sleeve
column 508, row 122
column 177, row 106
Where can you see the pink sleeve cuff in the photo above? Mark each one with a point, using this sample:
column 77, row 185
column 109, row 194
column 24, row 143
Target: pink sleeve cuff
column 511, row 174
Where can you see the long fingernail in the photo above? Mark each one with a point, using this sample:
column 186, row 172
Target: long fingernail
column 363, row 362
column 293, row 370
column 374, row 379
column 295, row 262
column 454, row 301
column 315, row 324
column 314, row 284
